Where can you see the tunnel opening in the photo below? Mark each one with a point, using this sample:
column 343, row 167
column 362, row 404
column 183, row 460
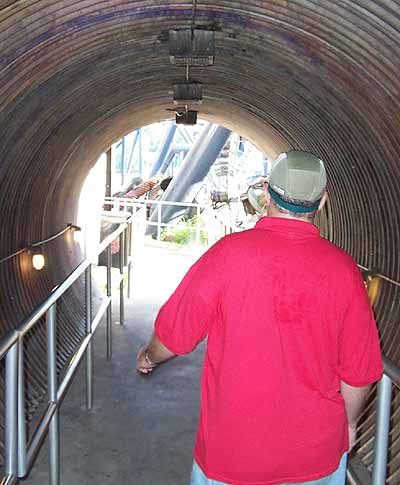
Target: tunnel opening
column 144, row 163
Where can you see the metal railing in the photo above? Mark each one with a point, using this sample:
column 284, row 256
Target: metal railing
column 383, row 411
column 20, row 453
column 215, row 229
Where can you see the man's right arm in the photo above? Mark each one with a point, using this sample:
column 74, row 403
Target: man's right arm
column 354, row 399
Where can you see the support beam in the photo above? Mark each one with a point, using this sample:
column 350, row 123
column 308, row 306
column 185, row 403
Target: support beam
column 164, row 148
column 134, row 140
column 168, row 159
column 196, row 165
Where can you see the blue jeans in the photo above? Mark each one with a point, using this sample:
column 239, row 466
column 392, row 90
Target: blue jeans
column 338, row 477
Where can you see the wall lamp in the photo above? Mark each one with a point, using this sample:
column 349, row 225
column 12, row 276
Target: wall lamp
column 38, row 259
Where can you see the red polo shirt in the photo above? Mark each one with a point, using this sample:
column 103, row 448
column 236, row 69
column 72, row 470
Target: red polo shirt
column 287, row 317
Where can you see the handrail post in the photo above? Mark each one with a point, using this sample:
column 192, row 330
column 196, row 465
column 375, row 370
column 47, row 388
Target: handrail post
column 159, row 222
column 198, row 225
column 121, row 271
column 89, row 350
column 11, row 422
column 129, row 232
column 54, row 437
column 382, row 431
column 22, row 442
column 109, row 309
column 143, row 221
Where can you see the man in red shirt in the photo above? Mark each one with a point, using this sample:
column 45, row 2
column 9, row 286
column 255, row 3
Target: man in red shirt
column 292, row 344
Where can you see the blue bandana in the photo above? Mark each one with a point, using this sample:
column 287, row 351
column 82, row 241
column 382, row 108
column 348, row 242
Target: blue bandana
column 291, row 207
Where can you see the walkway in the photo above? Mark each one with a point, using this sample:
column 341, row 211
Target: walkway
column 141, row 430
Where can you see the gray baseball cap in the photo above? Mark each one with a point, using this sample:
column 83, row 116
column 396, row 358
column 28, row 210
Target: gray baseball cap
column 297, row 175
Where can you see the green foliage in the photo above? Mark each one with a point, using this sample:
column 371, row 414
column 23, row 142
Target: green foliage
column 185, row 235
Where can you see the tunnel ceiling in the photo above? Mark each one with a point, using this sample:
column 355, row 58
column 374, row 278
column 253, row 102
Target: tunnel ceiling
column 315, row 75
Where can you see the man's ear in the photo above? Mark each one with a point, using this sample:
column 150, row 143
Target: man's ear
column 267, row 194
column 323, row 200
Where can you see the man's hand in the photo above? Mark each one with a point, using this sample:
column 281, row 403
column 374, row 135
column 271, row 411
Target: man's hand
column 352, row 436
column 157, row 353
column 141, row 363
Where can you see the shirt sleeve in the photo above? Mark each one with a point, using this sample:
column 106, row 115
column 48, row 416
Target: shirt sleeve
column 360, row 357
column 184, row 320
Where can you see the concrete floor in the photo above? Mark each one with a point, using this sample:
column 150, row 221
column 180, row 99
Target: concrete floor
column 141, row 430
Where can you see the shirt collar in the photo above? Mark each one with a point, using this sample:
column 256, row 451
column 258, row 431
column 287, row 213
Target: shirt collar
column 282, row 224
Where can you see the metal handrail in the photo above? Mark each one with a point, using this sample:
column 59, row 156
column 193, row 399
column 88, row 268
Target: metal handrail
column 357, row 473
column 117, row 203
column 20, row 454
column 12, row 337
column 128, row 201
column 392, row 371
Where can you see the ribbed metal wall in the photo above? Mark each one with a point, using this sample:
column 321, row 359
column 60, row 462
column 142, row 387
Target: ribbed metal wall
column 320, row 76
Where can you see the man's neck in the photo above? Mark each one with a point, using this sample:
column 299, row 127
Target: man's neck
column 274, row 213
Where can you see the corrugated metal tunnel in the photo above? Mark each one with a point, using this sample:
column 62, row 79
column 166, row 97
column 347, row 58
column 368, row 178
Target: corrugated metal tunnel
column 311, row 75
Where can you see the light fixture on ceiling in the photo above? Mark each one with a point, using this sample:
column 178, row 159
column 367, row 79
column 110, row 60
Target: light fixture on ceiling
column 191, row 47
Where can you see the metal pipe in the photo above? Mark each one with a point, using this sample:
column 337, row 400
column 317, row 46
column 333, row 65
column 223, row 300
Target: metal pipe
column 109, row 308
column 15, row 337
column 69, row 374
column 54, row 438
column 134, row 140
column 10, row 418
column 89, row 350
column 129, row 278
column 142, row 203
column 198, row 238
column 130, row 255
column 140, row 163
column 108, row 173
column 76, row 358
column 121, row 284
column 100, row 313
column 27, row 324
column 21, row 412
column 159, row 222
column 186, row 135
column 109, row 239
column 170, row 156
column 39, row 434
column 382, row 431
column 357, row 473
column 122, row 161
column 392, row 371
column 7, row 342
column 9, row 480
column 197, row 163
column 164, row 148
